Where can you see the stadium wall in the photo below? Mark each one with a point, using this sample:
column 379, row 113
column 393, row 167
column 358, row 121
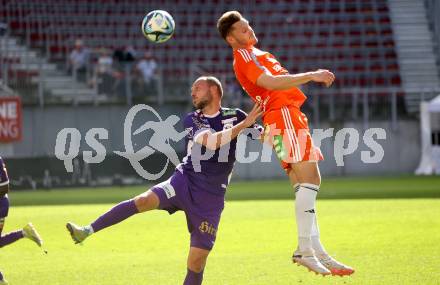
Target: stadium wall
column 401, row 153
column 41, row 126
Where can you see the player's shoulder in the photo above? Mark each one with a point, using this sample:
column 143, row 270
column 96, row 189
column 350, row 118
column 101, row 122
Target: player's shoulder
column 195, row 113
column 246, row 55
column 195, row 119
column 258, row 52
column 243, row 55
column 190, row 116
column 241, row 113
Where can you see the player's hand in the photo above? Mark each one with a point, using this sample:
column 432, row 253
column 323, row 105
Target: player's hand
column 323, row 76
column 253, row 115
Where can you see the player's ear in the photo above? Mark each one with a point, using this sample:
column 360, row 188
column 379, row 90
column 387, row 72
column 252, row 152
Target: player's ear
column 230, row 39
column 213, row 90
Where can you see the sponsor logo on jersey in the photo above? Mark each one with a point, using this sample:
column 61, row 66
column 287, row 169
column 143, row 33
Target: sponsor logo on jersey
column 277, row 68
column 262, row 102
column 229, row 112
column 206, row 227
column 169, row 190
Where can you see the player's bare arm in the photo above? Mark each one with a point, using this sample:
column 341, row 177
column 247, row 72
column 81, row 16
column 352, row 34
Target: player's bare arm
column 284, row 82
column 216, row 140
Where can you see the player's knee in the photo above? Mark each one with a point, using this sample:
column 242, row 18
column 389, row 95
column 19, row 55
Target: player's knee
column 307, row 173
column 317, row 181
column 197, row 263
column 197, row 259
column 313, row 178
column 146, row 201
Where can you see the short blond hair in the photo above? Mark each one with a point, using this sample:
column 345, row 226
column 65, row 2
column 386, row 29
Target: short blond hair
column 212, row 81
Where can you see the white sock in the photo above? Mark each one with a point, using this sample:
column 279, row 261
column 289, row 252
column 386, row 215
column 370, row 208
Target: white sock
column 305, row 214
column 316, row 243
column 89, row 229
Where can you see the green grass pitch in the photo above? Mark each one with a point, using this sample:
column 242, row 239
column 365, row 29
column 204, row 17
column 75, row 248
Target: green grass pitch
column 388, row 229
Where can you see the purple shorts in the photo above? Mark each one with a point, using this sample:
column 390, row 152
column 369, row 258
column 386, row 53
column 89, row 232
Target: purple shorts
column 4, row 206
column 202, row 209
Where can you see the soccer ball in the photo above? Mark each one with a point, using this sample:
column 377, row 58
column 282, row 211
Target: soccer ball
column 158, row 26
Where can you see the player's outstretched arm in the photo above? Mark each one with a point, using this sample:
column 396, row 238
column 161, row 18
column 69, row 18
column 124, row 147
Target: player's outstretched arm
column 283, row 82
column 216, row 140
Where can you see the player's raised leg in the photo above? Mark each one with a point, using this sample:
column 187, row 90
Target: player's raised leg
column 9, row 237
column 31, row 233
column 28, row 231
column 142, row 203
column 196, row 264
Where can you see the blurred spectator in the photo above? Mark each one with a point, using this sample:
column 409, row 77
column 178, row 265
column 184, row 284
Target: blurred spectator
column 146, row 72
column 76, row 174
column 47, row 179
column 122, row 65
column 26, row 182
column 105, row 76
column 3, row 28
column 128, row 54
column 87, row 174
column 78, row 60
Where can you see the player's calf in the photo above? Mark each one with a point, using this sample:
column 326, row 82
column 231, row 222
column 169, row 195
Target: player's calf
column 10, row 238
column 197, row 259
column 196, row 264
column 193, row 278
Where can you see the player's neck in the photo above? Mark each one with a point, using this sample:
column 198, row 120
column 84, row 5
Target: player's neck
column 238, row 46
column 211, row 109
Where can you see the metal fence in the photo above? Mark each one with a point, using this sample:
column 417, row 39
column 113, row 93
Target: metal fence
column 334, row 105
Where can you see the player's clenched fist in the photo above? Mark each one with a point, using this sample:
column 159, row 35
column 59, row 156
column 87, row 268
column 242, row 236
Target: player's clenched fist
column 324, row 76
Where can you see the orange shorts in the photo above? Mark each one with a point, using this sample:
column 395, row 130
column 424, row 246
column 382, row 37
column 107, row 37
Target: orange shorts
column 287, row 130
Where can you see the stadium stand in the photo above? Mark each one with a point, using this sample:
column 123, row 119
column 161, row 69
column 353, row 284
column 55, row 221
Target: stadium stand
column 354, row 38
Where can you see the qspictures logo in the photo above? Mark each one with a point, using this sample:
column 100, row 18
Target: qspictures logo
column 68, row 141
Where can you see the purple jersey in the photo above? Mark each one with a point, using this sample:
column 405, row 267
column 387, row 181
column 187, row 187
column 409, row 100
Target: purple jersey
column 4, row 178
column 213, row 175
column 200, row 192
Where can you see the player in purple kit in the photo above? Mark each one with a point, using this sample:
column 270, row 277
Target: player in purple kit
column 198, row 184
column 28, row 231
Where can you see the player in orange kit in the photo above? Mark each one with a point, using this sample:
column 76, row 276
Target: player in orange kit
column 286, row 127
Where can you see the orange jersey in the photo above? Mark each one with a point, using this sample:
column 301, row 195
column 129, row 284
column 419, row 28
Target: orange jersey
column 249, row 64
